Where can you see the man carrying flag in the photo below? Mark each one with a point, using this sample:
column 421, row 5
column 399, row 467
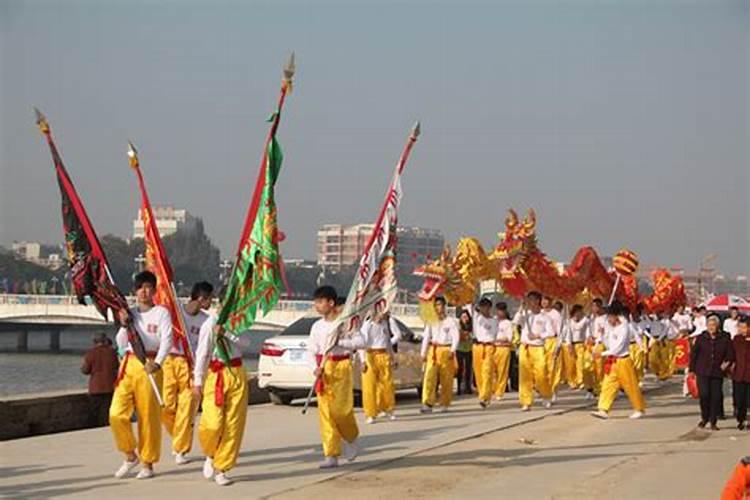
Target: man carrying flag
column 90, row 276
column 179, row 403
column 133, row 392
column 224, row 391
column 254, row 285
column 371, row 294
column 177, row 414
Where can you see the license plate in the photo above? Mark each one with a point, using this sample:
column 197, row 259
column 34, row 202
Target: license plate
column 297, row 355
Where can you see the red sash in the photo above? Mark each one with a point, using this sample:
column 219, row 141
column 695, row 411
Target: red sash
column 609, row 362
column 217, row 367
column 319, row 362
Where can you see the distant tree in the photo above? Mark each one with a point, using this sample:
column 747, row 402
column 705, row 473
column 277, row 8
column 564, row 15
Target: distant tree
column 20, row 276
column 121, row 257
column 193, row 256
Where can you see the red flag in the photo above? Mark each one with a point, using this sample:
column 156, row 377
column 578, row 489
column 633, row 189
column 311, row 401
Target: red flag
column 158, row 263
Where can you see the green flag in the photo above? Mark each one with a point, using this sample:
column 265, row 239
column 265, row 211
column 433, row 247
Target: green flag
column 255, row 282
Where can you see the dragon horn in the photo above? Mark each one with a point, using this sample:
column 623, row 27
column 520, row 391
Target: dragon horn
column 512, row 219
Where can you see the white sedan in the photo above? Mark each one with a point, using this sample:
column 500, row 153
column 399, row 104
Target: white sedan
column 284, row 365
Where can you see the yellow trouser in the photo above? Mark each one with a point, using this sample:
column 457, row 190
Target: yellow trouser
column 336, row 407
column 377, row 384
column 598, row 363
column 589, row 369
column 221, row 427
column 440, row 365
column 638, row 357
column 580, row 355
column 532, row 374
column 670, row 358
column 134, row 392
column 177, row 414
column 654, row 357
column 476, row 364
column 568, row 365
column 486, row 375
column 501, row 359
column 554, row 366
column 621, row 376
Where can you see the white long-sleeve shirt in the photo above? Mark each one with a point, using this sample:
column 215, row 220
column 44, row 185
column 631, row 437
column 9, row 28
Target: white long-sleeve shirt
column 155, row 329
column 444, row 332
column 193, row 325
column 575, row 332
column 682, row 322
column 557, row 322
column 485, row 329
column 699, row 325
column 504, row 331
column 730, row 326
column 377, row 336
column 598, row 328
column 320, row 333
column 205, row 351
column 617, row 340
column 534, row 327
column 637, row 332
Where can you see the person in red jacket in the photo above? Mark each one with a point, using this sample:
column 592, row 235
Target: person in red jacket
column 741, row 373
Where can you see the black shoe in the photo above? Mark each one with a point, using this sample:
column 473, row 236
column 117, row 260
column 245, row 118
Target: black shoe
column 425, row 409
column 702, row 424
column 741, row 426
column 484, row 404
column 714, row 427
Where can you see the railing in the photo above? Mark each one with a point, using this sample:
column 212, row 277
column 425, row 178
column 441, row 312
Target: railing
column 282, row 305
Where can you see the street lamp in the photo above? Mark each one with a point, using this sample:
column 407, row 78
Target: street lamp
column 225, row 265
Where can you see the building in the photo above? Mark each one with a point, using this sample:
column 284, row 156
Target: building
column 48, row 256
column 340, row 246
column 29, row 251
column 168, row 220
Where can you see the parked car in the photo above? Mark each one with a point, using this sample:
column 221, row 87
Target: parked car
column 284, row 367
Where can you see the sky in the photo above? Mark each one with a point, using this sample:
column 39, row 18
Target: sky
column 624, row 124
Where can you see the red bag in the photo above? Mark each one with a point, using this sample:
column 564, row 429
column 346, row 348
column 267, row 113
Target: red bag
column 692, row 386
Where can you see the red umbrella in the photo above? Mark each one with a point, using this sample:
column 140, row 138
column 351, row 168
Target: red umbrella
column 725, row 301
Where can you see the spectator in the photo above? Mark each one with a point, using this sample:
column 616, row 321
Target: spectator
column 709, row 359
column 730, row 324
column 741, row 373
column 463, row 353
column 100, row 364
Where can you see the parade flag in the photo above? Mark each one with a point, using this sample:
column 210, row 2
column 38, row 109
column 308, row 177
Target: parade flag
column 257, row 276
column 374, row 287
column 89, row 270
column 158, row 263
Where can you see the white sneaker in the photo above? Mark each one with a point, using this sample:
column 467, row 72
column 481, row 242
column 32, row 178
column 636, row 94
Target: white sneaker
column 442, row 409
column 351, row 450
column 636, row 415
column 498, row 398
column 526, row 408
column 125, row 468
column 547, row 404
column 554, row 398
column 222, row 479
column 370, row 420
column 391, row 416
column 181, row 459
column 208, row 468
column 589, row 396
column 145, row 473
column 329, row 463
column 600, row 414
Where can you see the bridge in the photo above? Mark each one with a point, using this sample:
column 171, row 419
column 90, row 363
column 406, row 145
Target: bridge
column 21, row 314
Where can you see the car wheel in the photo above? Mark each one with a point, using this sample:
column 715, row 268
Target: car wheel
column 419, row 391
column 280, row 399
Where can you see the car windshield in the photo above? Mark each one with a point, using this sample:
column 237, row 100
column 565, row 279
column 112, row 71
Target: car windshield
column 300, row 328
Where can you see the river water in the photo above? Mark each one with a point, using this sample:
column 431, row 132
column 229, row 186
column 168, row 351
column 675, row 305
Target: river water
column 40, row 370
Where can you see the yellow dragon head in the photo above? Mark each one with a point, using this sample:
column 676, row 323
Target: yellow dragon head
column 516, row 244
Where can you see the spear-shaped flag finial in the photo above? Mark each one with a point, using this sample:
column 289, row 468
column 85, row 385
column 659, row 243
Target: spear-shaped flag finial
column 132, row 155
column 41, row 121
column 289, row 73
column 416, row 130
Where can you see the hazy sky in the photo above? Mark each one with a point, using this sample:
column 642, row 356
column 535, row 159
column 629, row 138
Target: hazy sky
column 622, row 123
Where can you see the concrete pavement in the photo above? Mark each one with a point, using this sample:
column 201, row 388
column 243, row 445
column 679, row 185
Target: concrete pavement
column 281, row 451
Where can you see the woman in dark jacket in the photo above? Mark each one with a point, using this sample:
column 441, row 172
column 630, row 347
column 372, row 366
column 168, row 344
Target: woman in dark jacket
column 741, row 372
column 709, row 359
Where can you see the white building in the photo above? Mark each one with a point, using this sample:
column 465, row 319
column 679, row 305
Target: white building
column 168, row 220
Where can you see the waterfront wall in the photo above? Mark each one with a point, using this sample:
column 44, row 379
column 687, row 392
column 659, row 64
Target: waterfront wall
column 48, row 413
